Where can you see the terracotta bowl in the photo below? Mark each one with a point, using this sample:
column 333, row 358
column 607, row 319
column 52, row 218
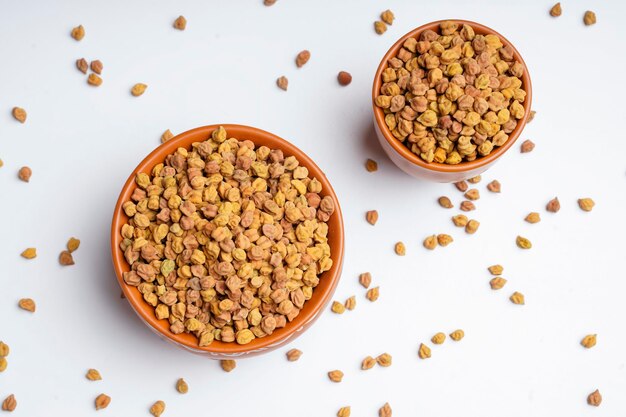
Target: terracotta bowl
column 411, row 163
column 312, row 308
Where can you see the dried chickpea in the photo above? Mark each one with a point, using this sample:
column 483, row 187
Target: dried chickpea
column 138, row 89
column 102, row 401
column 9, row 404
column 431, row 242
column 371, row 165
column 589, row 341
column 497, row 283
column 94, row 80
column 335, row 376
column 385, row 411
column 555, row 11
column 586, row 204
column 594, row 399
column 344, row 412
column 467, row 206
column 372, row 294
column 180, row 23
column 494, row 186
column 496, row 269
column 517, row 298
column 438, row 338
column 384, row 360
column 444, row 240
column 523, row 243
column 302, row 58
column 445, row 202
column 424, row 351
column 157, row 408
column 282, row 83
column 457, row 335
column 350, row 303
column 368, row 363
column 371, row 217
column 533, row 217
column 387, row 17
column 93, row 375
column 400, row 249
column 293, row 355
column 380, row 27
column 19, row 114
column 365, row 279
column 589, row 18
column 181, row 386
column 228, row 364
column 553, row 205
column 338, row 308
column 472, row 226
column 24, row 174
column 460, row 220
column 29, row 253
column 78, row 33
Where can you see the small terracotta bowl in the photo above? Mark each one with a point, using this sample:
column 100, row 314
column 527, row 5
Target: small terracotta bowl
column 312, row 308
column 411, row 163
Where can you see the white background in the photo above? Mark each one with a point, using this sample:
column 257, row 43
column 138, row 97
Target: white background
column 82, row 143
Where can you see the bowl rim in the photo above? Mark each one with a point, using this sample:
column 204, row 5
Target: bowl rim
column 403, row 150
column 217, row 348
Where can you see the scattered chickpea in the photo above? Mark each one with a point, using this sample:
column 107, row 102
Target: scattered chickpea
column 344, row 78
column 474, row 180
column 438, row 338
column 180, row 23
column 523, row 243
column 365, row 279
column 457, row 335
column 29, row 253
column 371, row 165
column 78, row 33
column 424, row 351
column 553, row 205
column 460, row 220
column 594, row 399
column 461, row 186
column 533, row 217
column 282, row 83
column 368, row 363
column 400, row 249
column 93, row 375
column 430, row 242
column 472, row 194
column 344, row 412
column 497, row 283
column 385, row 411
column 472, row 226
column 302, row 58
column 384, row 360
column 586, row 204
column 555, row 11
column 19, row 114
column 138, row 89
column 102, row 401
column 335, row 376
column 24, row 174
column 96, row 66
column 517, row 298
column 350, row 303
column 467, row 206
column 372, row 217
column 94, row 80
column 228, row 364
column 82, row 66
column 27, row 304
column 444, row 240
column 387, row 16
column 589, row 18
column 380, row 27
column 337, row 307
column 496, row 269
column 157, row 408
column 589, row 341
column 494, row 186
column 527, row 146
column 293, row 355
column 445, row 202
column 372, row 294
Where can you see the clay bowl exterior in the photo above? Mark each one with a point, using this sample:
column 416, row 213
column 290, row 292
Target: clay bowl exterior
column 411, row 163
column 312, row 308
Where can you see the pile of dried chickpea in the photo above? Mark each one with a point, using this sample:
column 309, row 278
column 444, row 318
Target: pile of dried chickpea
column 452, row 96
column 227, row 240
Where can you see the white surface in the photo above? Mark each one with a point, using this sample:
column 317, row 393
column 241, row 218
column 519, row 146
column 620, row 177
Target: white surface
column 82, row 142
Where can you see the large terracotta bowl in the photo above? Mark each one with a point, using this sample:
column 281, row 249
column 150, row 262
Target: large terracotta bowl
column 312, row 308
column 411, row 163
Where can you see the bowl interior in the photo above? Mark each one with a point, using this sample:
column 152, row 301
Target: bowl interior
column 321, row 294
column 479, row 162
